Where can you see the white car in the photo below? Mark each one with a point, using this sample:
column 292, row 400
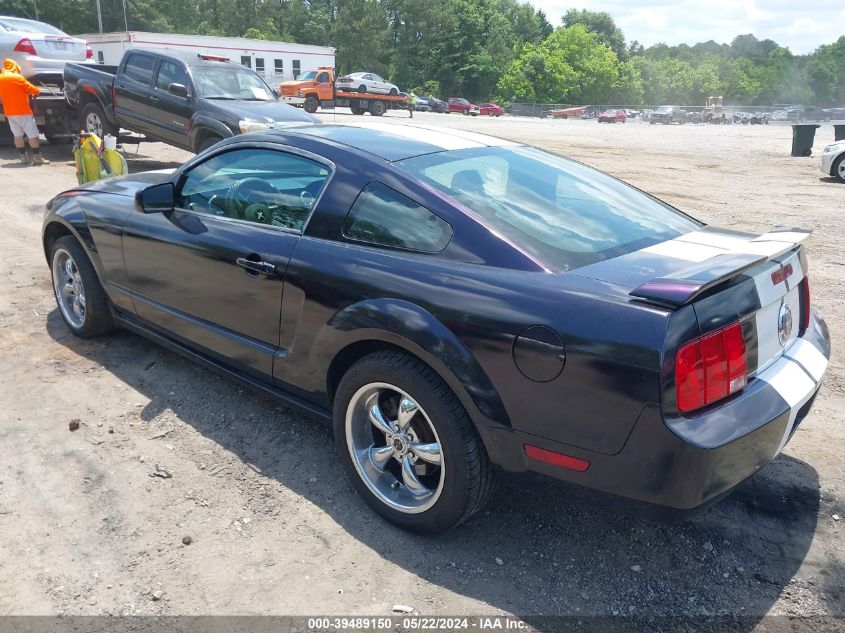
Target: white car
column 38, row 48
column 833, row 161
column 366, row 82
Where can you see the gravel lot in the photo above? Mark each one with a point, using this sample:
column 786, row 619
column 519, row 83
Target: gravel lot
column 275, row 527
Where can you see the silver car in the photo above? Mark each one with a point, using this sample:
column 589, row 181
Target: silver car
column 366, row 82
column 38, row 48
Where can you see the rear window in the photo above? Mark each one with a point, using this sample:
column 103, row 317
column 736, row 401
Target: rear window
column 563, row 213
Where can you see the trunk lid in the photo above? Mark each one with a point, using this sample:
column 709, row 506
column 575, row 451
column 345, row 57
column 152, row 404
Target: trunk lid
column 59, row 47
column 726, row 276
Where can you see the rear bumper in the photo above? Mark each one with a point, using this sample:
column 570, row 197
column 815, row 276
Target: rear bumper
column 677, row 466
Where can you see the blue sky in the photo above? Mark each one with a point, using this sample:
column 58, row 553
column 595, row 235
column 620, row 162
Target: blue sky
column 802, row 25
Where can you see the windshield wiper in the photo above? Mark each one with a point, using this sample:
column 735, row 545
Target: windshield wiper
column 222, row 98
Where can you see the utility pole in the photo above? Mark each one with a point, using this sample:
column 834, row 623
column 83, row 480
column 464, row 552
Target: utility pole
column 125, row 21
column 99, row 16
column 35, row 4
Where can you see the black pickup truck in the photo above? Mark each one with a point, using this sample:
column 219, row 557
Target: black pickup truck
column 187, row 100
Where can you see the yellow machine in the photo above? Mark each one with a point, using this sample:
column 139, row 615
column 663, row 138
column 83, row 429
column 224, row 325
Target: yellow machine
column 96, row 159
column 714, row 111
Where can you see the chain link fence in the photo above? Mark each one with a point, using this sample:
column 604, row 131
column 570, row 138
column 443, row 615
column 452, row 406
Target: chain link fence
column 542, row 109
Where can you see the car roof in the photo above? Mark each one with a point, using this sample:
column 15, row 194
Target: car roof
column 393, row 141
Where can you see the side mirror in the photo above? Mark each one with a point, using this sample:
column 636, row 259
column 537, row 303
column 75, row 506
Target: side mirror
column 156, row 199
column 180, row 90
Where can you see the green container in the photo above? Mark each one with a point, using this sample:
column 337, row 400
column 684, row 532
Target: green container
column 802, row 139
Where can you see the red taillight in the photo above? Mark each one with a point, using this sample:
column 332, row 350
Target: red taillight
column 710, row 368
column 345, row 79
column 88, row 52
column 556, row 459
column 805, row 303
column 25, row 46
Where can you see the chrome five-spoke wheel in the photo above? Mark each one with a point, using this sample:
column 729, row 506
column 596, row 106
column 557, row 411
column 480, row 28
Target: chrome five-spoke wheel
column 69, row 289
column 395, row 448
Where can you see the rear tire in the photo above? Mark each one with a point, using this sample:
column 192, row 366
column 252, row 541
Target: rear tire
column 79, row 294
column 455, row 474
column 362, row 89
column 377, row 108
column 94, row 120
column 838, row 170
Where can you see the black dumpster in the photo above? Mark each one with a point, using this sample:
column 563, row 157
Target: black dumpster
column 839, row 132
column 802, row 139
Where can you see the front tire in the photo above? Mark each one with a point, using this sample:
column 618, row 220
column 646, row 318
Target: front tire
column 79, row 294
column 393, row 92
column 408, row 445
column 311, row 104
column 207, row 143
column 838, row 170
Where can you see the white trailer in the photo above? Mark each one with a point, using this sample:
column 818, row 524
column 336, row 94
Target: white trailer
column 275, row 61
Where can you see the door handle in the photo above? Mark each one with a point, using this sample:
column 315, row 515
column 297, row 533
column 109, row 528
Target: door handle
column 153, row 98
column 256, row 266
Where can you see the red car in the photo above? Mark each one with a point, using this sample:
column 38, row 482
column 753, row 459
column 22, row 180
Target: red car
column 613, row 116
column 491, row 109
column 457, row 104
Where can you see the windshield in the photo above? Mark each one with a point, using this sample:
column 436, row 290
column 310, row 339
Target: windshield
column 563, row 213
column 29, row 26
column 309, row 76
column 227, row 82
column 664, row 109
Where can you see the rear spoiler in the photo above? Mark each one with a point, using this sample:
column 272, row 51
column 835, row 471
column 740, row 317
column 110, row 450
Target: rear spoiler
column 687, row 285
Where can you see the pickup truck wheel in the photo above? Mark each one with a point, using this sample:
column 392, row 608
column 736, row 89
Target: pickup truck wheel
column 377, row 108
column 94, row 121
column 408, row 445
column 208, row 142
column 311, row 104
column 82, row 301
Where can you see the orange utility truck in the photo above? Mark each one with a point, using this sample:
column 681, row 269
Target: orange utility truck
column 316, row 88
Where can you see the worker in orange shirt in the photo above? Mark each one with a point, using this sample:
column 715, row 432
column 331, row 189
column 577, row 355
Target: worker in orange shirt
column 15, row 92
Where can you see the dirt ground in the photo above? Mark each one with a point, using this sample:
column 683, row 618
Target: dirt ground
column 275, row 526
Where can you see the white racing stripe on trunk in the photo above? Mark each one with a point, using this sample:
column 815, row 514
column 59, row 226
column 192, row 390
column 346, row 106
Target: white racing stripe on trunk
column 719, row 240
column 684, row 250
column 769, row 348
column 809, row 357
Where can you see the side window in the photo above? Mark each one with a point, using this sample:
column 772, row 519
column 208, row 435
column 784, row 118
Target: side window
column 385, row 217
column 171, row 73
column 257, row 185
column 139, row 68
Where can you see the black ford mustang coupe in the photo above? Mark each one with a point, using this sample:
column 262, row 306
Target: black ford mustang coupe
column 462, row 309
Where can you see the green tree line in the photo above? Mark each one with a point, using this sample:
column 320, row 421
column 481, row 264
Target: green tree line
column 479, row 49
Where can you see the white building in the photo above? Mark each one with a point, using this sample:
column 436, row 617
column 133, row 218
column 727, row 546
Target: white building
column 275, row 61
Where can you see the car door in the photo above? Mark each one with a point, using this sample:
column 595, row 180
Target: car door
column 378, row 84
column 170, row 114
column 210, row 273
column 132, row 91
